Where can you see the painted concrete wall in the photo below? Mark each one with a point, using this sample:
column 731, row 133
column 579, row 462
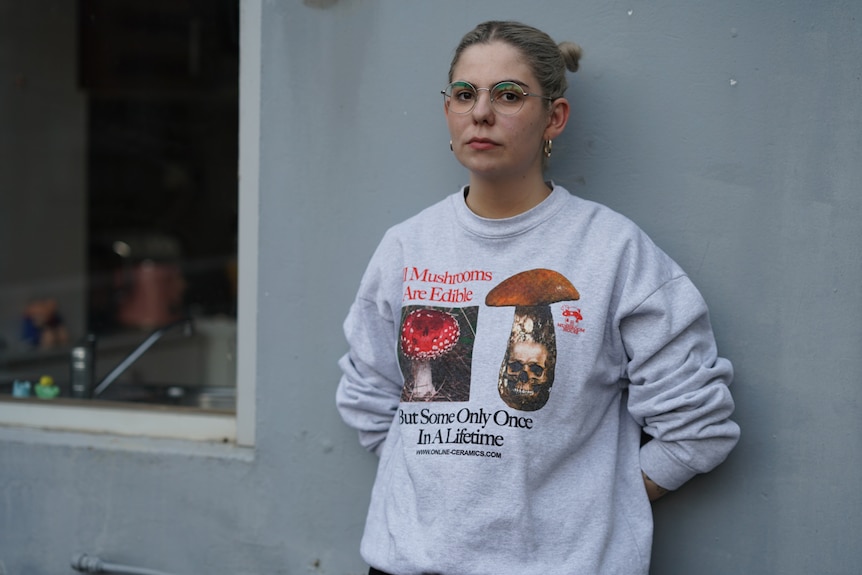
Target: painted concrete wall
column 731, row 131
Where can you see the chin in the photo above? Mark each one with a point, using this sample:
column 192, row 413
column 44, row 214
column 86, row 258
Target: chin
column 491, row 173
column 492, row 168
column 484, row 167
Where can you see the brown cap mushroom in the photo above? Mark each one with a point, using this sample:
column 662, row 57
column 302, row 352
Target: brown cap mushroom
column 427, row 334
column 532, row 287
column 527, row 372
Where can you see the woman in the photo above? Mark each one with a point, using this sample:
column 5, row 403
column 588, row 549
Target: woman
column 511, row 345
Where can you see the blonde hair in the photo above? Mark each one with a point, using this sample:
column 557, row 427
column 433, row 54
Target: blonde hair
column 547, row 59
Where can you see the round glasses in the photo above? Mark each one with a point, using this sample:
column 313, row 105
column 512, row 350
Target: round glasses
column 507, row 98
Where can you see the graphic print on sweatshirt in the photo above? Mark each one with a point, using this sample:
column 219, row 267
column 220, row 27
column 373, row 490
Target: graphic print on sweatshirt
column 527, row 372
column 436, row 346
column 435, row 352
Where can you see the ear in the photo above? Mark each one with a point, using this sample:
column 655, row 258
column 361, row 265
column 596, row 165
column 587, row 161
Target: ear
column 557, row 119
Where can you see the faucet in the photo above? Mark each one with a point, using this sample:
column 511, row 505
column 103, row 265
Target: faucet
column 188, row 330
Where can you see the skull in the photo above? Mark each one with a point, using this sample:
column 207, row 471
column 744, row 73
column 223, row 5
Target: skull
column 527, row 373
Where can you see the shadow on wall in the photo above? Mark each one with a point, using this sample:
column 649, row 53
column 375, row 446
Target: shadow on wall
column 319, row 3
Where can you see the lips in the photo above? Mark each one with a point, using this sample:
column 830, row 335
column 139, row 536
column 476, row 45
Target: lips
column 481, row 144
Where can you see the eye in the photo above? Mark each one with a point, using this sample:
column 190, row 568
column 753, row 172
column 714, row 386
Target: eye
column 462, row 91
column 508, row 93
column 463, row 94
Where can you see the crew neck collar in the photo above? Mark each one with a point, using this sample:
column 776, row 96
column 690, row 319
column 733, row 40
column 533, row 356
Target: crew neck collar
column 507, row 227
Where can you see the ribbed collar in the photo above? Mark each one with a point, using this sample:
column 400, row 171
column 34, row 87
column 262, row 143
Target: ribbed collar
column 507, row 227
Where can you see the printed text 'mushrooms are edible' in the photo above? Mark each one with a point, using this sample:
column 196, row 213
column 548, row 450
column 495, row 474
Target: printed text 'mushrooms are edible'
column 437, row 293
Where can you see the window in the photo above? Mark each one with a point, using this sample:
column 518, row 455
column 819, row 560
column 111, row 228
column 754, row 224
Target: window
column 119, row 218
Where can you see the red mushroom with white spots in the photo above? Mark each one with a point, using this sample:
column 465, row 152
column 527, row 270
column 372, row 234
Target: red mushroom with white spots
column 426, row 335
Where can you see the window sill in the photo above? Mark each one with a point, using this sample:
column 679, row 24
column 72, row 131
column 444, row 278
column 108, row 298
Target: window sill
column 107, row 442
column 120, row 419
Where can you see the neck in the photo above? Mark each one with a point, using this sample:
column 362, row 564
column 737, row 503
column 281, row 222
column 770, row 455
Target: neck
column 497, row 200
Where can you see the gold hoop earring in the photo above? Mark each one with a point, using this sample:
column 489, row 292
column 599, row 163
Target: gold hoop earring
column 451, row 147
column 547, row 148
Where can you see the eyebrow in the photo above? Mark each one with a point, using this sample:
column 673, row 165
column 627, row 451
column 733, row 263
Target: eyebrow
column 512, row 81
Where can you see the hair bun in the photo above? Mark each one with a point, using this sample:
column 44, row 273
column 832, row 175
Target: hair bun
column 571, row 55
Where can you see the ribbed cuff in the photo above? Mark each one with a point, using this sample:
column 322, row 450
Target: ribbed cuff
column 664, row 469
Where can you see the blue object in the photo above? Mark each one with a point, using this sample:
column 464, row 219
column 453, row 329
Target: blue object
column 30, row 332
column 21, row 388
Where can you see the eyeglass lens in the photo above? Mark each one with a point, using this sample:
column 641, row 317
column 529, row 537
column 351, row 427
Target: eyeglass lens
column 506, row 97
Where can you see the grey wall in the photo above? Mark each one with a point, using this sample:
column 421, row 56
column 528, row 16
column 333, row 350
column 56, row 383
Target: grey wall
column 731, row 131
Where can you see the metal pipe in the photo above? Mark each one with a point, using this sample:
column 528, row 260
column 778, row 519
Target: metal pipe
column 83, row 563
column 188, row 329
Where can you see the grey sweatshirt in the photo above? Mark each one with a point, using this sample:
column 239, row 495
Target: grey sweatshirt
column 504, row 371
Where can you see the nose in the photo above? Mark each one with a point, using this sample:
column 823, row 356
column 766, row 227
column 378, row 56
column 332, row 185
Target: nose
column 482, row 109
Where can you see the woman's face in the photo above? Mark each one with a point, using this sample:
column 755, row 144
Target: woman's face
column 492, row 145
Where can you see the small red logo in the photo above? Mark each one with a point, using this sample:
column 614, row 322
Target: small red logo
column 572, row 317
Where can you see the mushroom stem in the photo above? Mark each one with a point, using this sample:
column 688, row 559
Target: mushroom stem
column 423, row 386
column 527, row 372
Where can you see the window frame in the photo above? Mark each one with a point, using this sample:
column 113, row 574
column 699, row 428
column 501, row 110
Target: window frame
column 161, row 422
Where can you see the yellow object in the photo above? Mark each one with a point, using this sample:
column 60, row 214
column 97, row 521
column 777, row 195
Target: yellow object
column 46, row 389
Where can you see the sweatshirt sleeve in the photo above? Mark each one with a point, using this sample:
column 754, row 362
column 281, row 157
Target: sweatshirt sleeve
column 370, row 387
column 678, row 388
